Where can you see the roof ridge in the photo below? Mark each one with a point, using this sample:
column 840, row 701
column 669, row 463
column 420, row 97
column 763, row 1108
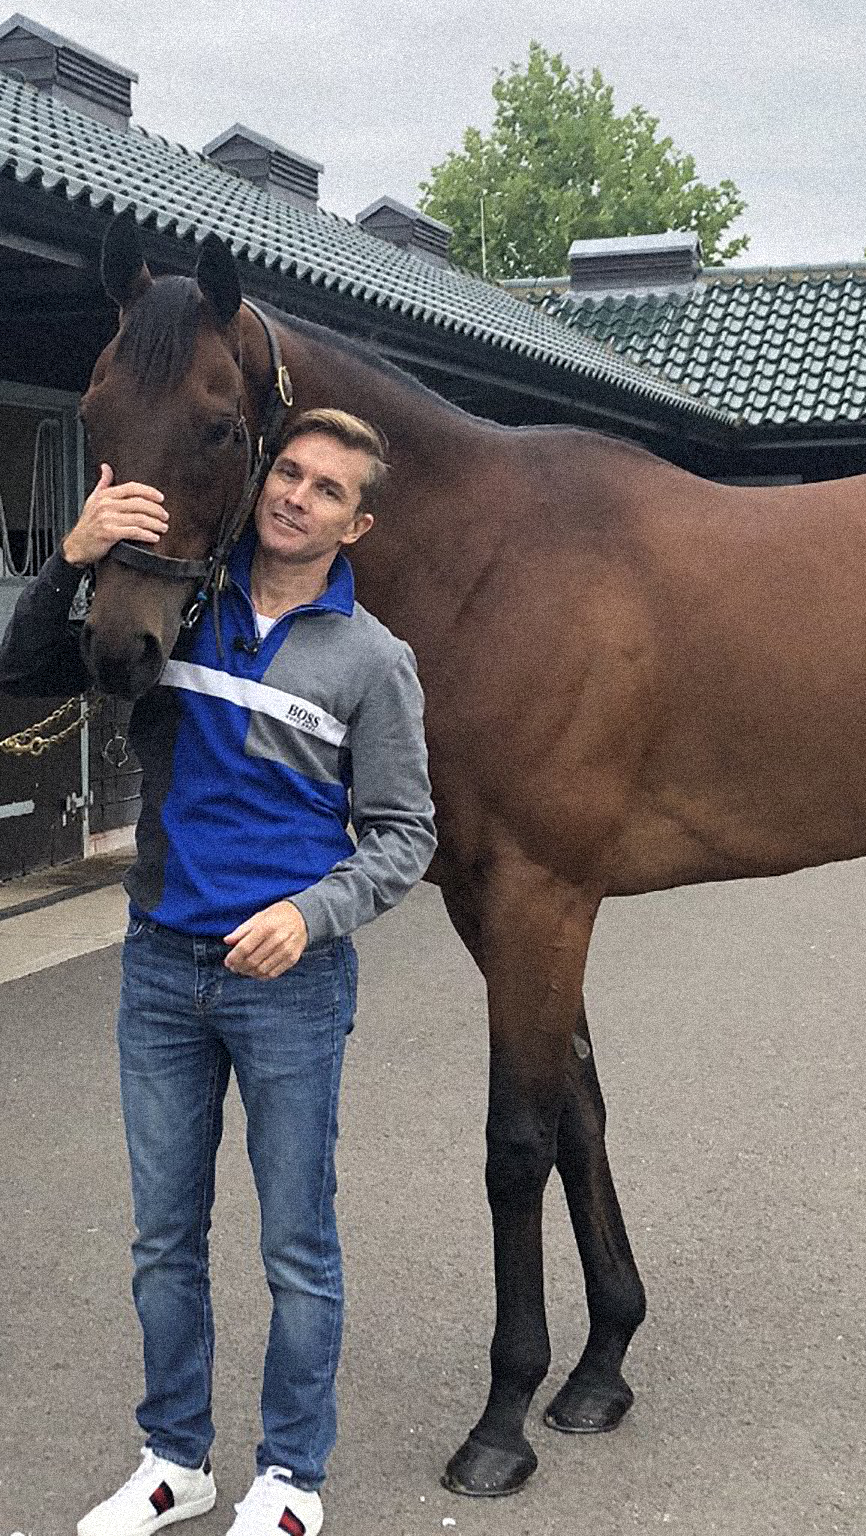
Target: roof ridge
column 815, row 275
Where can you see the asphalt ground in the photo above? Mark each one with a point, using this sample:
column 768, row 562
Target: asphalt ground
column 728, row 1026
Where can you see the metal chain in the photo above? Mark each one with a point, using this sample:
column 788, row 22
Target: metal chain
column 31, row 743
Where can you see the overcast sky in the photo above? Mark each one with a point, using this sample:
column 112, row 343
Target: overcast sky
column 768, row 92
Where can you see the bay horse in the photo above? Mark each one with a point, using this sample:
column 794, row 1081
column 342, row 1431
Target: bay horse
column 634, row 679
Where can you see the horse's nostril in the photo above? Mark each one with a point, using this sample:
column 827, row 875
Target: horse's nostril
column 151, row 655
column 127, row 670
column 144, row 664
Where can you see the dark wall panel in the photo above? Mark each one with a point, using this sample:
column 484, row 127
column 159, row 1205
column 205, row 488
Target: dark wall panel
column 39, row 838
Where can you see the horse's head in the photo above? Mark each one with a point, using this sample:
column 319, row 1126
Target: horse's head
column 166, row 405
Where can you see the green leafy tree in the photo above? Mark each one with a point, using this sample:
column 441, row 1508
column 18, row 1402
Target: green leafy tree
column 560, row 165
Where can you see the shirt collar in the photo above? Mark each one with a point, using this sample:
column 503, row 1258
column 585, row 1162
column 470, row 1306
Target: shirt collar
column 338, row 596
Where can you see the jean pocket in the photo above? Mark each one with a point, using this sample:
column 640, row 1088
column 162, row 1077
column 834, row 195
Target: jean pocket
column 349, row 966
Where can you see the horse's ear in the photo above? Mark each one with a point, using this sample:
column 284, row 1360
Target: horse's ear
column 217, row 278
column 124, row 274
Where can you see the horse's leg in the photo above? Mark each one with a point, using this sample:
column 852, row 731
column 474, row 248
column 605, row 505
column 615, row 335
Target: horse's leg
column 533, row 934
column 595, row 1396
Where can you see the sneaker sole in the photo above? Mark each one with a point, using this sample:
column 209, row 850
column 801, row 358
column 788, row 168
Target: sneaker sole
column 189, row 1511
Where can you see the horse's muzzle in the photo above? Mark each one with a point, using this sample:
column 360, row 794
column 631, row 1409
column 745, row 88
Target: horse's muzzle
column 126, row 672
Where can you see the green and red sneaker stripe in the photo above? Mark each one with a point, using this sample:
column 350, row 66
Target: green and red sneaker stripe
column 162, row 1498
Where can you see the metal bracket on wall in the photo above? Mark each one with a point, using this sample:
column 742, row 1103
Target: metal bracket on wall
column 74, row 804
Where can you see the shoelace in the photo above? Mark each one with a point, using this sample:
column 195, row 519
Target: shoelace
column 261, row 1490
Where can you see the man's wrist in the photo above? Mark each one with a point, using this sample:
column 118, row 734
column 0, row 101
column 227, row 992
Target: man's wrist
column 296, row 909
column 69, row 555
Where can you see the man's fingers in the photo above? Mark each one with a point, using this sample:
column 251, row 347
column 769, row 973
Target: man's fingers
column 131, row 494
column 131, row 488
column 258, row 949
column 268, row 943
column 270, row 957
column 141, row 521
column 278, row 967
column 114, row 512
column 270, row 920
column 139, row 517
column 240, row 932
column 266, row 971
column 110, row 505
column 139, row 534
column 247, row 948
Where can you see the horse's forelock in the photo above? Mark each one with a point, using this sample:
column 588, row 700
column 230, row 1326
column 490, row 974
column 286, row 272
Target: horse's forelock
column 157, row 340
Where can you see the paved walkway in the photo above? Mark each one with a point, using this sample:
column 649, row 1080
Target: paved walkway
column 729, row 1032
column 56, row 914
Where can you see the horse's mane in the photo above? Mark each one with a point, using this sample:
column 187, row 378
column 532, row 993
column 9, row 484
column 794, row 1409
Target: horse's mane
column 157, row 341
column 363, row 351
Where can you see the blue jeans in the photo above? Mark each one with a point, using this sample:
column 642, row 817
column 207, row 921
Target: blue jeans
column 184, row 1022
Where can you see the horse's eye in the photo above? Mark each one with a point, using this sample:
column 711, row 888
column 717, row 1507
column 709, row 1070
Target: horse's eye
column 217, row 433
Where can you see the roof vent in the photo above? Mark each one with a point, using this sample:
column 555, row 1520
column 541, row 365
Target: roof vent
column 664, row 263
column 64, row 70
column 412, row 231
column 267, row 165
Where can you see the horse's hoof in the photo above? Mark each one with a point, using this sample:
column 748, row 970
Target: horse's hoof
column 488, row 1471
column 587, row 1408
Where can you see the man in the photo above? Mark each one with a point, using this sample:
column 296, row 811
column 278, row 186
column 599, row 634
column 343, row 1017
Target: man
column 245, row 888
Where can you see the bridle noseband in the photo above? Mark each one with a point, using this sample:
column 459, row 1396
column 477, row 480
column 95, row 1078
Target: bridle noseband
column 211, row 573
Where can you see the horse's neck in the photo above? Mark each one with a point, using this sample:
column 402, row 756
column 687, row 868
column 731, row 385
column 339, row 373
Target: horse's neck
column 416, row 422
column 425, row 533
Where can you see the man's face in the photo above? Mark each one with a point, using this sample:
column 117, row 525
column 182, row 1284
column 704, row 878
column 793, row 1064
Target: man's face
column 308, row 507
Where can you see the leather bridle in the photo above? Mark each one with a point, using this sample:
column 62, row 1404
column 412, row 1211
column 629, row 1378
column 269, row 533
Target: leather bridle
column 211, row 573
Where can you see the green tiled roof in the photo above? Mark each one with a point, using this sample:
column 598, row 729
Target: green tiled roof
column 777, row 347
column 44, row 142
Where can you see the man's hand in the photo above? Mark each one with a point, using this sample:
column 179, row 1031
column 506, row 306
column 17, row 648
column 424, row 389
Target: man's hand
column 268, row 943
column 113, row 512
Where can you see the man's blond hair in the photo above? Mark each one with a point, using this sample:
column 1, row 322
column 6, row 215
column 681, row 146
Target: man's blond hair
column 352, row 432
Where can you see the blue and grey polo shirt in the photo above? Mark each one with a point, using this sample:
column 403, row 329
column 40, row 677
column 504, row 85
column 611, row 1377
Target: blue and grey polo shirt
column 256, row 760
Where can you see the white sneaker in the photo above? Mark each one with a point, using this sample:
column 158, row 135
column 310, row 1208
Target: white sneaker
column 272, row 1508
column 158, row 1493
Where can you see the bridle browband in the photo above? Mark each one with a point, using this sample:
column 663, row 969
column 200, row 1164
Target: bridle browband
column 211, row 573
